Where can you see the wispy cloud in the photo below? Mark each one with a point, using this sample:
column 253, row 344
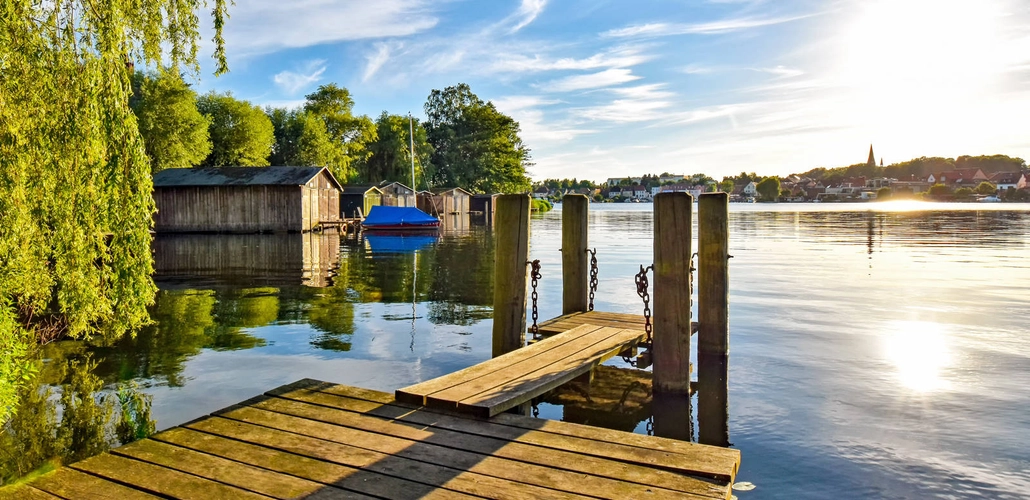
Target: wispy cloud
column 781, row 71
column 378, row 58
column 263, row 26
column 536, row 128
column 528, row 11
column 632, row 104
column 293, row 81
column 719, row 27
column 617, row 57
column 602, row 79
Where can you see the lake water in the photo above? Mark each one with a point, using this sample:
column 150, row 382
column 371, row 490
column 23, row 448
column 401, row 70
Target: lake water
column 874, row 353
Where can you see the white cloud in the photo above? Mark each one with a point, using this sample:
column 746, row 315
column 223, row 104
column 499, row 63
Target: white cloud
column 535, row 128
column 293, row 81
column 618, row 57
column 528, row 11
column 710, row 28
column 782, row 71
column 634, row 104
column 263, row 26
column 602, row 79
column 377, row 58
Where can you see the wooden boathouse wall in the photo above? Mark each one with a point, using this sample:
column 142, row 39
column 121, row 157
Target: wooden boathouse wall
column 244, row 199
column 363, row 198
column 396, row 194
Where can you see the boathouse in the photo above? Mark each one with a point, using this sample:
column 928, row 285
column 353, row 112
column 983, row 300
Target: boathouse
column 354, row 198
column 452, row 200
column 396, row 194
column 244, row 199
column 483, row 205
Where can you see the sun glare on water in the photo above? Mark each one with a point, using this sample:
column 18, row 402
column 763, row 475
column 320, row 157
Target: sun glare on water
column 919, row 352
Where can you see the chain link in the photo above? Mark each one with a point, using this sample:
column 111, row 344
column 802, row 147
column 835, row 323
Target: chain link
column 642, row 284
column 691, row 271
column 536, row 410
column 535, row 276
column 593, row 277
column 650, row 425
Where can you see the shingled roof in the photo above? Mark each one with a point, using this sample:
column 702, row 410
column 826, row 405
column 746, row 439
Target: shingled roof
column 238, row 176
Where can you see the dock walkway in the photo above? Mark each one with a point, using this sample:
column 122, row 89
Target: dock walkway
column 567, row 322
column 504, row 382
column 313, row 439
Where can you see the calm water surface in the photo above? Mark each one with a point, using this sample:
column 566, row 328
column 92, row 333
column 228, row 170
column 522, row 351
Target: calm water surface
column 874, row 353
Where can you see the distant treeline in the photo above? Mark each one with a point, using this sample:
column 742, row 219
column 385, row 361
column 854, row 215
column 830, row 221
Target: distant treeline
column 920, row 167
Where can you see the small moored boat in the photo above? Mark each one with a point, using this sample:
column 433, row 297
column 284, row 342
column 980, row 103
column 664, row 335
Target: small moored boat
column 398, row 218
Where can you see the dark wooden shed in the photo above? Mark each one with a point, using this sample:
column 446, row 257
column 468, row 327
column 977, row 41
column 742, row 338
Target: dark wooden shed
column 353, row 198
column 483, row 206
column 244, row 199
column 396, row 194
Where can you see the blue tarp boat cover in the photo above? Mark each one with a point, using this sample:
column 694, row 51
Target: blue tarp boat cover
column 393, row 217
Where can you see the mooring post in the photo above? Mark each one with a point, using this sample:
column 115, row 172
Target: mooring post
column 713, row 319
column 511, row 251
column 574, row 253
column 671, row 319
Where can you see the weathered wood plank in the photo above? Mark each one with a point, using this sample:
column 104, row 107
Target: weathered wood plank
column 395, row 421
column 219, row 469
column 324, row 472
column 363, row 451
column 70, row 483
column 25, row 492
column 420, row 445
column 670, row 454
column 559, row 371
column 574, row 261
column 671, row 292
column 507, row 376
column 416, row 394
column 511, row 249
column 616, row 320
column 159, row 479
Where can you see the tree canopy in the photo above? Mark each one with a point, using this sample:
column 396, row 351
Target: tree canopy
column 75, row 190
column 300, row 139
column 175, row 133
column 390, row 158
column 348, row 135
column 475, row 145
column 241, row 134
column 769, row 188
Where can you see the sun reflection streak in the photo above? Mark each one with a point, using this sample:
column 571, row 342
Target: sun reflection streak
column 919, row 351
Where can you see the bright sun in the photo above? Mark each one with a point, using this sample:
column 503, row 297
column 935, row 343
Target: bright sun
column 920, row 353
column 920, row 61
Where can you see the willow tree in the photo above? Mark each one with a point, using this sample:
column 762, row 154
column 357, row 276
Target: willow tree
column 75, row 188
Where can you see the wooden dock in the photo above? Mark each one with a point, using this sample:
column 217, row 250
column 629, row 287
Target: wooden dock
column 566, row 322
column 313, row 439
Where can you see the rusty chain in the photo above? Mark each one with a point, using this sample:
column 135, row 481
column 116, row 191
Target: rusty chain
column 691, row 271
column 593, row 277
column 642, row 284
column 535, row 276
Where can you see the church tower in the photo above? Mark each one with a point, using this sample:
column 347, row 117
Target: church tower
column 872, row 158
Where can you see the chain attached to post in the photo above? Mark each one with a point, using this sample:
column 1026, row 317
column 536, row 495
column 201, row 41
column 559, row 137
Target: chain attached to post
column 534, row 276
column 642, row 284
column 593, row 277
column 691, row 271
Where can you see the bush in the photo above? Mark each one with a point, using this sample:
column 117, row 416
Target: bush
column 541, row 206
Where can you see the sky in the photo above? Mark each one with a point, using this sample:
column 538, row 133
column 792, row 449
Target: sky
column 605, row 88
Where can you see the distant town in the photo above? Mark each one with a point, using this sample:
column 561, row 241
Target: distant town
column 966, row 178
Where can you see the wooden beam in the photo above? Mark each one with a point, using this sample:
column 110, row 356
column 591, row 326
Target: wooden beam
column 713, row 274
column 511, row 250
column 574, row 260
column 671, row 297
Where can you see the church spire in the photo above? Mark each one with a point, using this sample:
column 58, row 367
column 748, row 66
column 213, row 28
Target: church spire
column 872, row 158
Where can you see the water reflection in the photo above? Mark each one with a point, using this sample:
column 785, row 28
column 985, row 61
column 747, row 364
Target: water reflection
column 920, row 354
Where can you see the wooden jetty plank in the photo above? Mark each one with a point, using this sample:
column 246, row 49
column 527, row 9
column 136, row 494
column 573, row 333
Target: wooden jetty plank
column 416, row 394
column 70, row 483
column 25, row 492
column 565, row 322
column 159, row 479
column 680, row 456
column 233, row 473
column 397, row 421
column 328, row 473
column 359, row 453
column 417, row 446
column 510, row 373
column 564, row 366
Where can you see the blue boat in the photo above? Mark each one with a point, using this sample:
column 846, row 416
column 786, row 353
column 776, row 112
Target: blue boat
column 403, row 242
column 383, row 218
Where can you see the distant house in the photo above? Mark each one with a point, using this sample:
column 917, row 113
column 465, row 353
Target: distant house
column 640, row 192
column 751, row 189
column 451, row 201
column 245, row 199
column 969, row 177
column 396, row 194
column 541, row 192
column 353, row 198
column 1005, row 180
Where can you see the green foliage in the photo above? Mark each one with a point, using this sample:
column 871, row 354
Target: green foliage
column 986, row 188
column 883, row 193
column 963, row 193
column 726, row 185
column 301, row 139
column 1017, row 195
column 390, row 158
column 920, row 167
column 769, row 188
column 939, row 190
column 174, row 132
column 475, row 146
column 563, row 184
column 541, row 206
column 348, row 135
column 75, row 189
column 991, row 164
column 241, row 134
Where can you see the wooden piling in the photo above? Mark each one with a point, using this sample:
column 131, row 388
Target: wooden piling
column 511, row 251
column 713, row 410
column 574, row 259
column 671, row 296
column 713, row 275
